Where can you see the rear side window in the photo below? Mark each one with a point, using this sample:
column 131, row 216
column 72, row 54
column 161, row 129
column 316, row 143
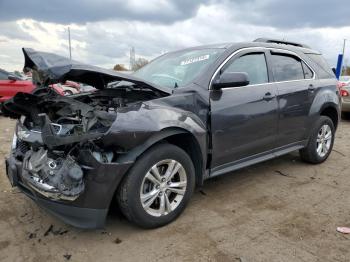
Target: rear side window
column 308, row 74
column 3, row 76
column 254, row 65
column 286, row 67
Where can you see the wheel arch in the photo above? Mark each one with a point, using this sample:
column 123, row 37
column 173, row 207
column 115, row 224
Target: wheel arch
column 177, row 136
column 330, row 111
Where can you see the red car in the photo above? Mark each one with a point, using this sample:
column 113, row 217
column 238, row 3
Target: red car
column 11, row 84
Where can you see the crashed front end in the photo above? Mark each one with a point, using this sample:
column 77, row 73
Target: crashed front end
column 64, row 155
column 58, row 157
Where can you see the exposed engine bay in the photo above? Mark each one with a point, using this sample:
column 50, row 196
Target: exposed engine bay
column 53, row 130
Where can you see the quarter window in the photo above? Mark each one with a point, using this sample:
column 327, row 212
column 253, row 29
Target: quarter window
column 254, row 65
column 308, row 74
column 286, row 67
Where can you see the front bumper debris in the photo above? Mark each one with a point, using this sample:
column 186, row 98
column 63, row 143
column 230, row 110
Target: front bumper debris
column 54, row 178
column 86, row 207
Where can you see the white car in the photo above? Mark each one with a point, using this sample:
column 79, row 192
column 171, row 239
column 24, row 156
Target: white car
column 345, row 93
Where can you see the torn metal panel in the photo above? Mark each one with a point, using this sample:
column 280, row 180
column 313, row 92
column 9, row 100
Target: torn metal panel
column 51, row 68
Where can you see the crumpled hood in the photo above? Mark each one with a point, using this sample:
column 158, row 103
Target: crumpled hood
column 51, row 68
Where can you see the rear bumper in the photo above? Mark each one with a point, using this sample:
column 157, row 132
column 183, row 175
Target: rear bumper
column 89, row 210
column 345, row 107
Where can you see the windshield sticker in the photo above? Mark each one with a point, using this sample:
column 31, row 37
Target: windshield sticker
column 195, row 60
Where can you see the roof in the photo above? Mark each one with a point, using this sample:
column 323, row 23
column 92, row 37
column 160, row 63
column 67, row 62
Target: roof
column 260, row 42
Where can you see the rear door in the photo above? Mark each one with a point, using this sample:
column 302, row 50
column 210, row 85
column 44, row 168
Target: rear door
column 296, row 89
column 243, row 119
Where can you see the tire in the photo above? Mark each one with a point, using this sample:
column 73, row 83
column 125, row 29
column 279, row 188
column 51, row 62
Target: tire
column 311, row 152
column 141, row 181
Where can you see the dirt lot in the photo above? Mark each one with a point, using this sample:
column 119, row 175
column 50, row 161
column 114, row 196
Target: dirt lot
column 281, row 210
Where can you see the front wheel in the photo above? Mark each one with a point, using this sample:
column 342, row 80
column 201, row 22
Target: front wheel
column 158, row 186
column 320, row 143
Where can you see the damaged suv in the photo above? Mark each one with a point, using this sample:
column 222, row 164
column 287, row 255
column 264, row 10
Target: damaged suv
column 149, row 138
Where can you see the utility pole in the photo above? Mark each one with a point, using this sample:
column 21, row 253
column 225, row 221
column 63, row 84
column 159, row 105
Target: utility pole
column 70, row 47
column 132, row 58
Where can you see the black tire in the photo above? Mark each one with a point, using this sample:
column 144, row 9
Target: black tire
column 309, row 153
column 128, row 196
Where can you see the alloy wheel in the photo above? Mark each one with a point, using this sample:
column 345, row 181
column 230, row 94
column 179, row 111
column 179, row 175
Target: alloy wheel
column 324, row 140
column 163, row 187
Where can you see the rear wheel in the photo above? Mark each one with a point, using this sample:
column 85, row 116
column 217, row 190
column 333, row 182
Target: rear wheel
column 158, row 186
column 320, row 143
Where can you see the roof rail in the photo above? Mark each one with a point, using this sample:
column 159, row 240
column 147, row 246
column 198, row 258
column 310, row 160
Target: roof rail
column 276, row 41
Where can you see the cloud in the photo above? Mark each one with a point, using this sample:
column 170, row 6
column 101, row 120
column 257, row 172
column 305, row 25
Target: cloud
column 291, row 14
column 274, row 13
column 107, row 42
column 14, row 31
column 83, row 11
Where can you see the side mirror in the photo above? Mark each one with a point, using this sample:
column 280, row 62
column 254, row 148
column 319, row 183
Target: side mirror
column 231, row 79
column 12, row 77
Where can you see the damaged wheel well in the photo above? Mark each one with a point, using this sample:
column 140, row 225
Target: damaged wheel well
column 177, row 137
column 188, row 143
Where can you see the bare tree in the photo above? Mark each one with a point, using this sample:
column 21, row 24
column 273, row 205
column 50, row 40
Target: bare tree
column 140, row 62
column 120, row 67
column 346, row 71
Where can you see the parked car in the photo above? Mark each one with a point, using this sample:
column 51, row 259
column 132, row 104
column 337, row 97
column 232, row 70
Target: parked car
column 344, row 90
column 187, row 116
column 11, row 84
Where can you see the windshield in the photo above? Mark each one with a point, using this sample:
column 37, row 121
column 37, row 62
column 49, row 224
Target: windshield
column 178, row 69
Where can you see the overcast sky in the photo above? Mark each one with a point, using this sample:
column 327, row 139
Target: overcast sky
column 103, row 31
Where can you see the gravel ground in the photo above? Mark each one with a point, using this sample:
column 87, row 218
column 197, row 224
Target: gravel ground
column 280, row 210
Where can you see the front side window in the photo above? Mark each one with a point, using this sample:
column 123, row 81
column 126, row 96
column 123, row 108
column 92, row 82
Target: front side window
column 254, row 65
column 286, row 67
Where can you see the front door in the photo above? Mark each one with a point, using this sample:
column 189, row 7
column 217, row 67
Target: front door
column 244, row 119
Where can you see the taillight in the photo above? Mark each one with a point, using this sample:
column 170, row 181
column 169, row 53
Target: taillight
column 340, row 85
column 344, row 92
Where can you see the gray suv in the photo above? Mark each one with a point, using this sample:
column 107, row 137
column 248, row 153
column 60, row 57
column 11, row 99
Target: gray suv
column 149, row 138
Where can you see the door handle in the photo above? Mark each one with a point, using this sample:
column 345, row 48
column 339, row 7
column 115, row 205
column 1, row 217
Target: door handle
column 311, row 88
column 268, row 96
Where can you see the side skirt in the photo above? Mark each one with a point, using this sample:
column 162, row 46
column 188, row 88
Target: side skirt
column 248, row 161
